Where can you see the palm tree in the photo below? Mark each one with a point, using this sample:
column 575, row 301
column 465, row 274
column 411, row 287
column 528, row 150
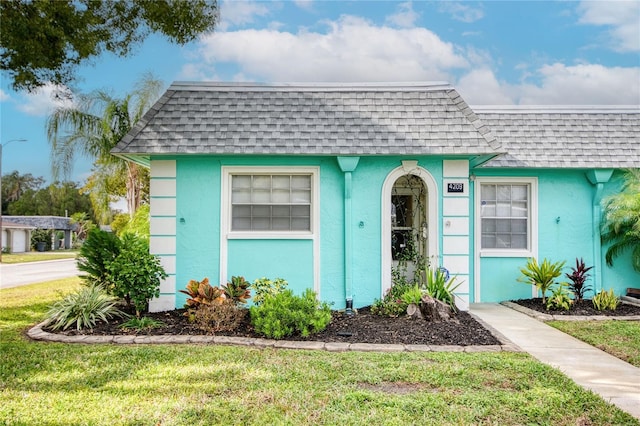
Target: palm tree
column 92, row 126
column 621, row 226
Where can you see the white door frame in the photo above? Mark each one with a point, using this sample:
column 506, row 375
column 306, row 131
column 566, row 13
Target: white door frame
column 408, row 168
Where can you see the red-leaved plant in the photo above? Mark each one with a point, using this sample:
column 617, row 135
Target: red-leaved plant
column 578, row 276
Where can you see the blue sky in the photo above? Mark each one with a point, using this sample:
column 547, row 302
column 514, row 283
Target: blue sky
column 500, row 53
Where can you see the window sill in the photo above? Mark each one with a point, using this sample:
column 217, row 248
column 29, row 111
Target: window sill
column 506, row 253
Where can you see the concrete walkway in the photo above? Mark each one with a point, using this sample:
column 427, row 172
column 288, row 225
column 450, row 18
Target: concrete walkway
column 613, row 379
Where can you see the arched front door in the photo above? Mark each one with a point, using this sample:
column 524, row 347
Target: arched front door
column 409, row 219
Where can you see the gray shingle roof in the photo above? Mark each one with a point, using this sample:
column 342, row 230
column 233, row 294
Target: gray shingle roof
column 565, row 137
column 367, row 119
column 42, row 222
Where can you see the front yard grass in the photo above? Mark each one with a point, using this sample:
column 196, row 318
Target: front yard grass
column 38, row 256
column 618, row 338
column 52, row 383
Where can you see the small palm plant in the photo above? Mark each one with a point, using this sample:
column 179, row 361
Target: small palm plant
column 578, row 276
column 542, row 275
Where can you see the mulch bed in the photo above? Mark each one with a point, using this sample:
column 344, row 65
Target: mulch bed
column 583, row 308
column 363, row 327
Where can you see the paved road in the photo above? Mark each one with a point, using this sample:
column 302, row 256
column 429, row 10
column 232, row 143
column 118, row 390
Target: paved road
column 14, row 275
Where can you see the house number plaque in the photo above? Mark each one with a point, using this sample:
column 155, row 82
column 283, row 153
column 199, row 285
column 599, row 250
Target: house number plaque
column 455, row 187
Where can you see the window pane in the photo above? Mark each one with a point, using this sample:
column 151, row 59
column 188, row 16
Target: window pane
column 241, row 211
column 519, row 241
column 503, row 209
column 503, row 240
column 488, row 225
column 488, row 192
column 488, row 209
column 241, row 224
column 281, row 211
column 503, row 225
column 300, row 224
column 261, row 196
column 519, row 226
column 241, row 182
column 261, row 224
column 488, row 241
column 519, row 192
column 300, row 211
column 301, row 196
column 280, row 196
column 281, row 224
column 504, row 193
column 241, row 196
column 261, row 182
column 301, row 182
column 519, row 209
column 261, row 211
column 281, row 182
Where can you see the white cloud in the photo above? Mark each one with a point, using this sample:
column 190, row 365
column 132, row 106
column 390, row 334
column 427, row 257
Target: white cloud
column 4, row 96
column 405, row 17
column 42, row 101
column 304, row 4
column 583, row 84
column 481, row 87
column 559, row 84
column 623, row 18
column 238, row 13
column 462, row 12
column 353, row 49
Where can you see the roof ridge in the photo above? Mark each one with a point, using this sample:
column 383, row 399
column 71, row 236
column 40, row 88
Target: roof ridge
column 555, row 109
column 316, row 86
column 475, row 121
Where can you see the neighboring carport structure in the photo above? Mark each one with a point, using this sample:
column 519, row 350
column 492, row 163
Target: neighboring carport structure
column 16, row 237
column 54, row 223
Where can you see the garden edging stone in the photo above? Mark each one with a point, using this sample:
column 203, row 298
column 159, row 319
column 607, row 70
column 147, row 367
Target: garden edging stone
column 37, row 333
column 550, row 317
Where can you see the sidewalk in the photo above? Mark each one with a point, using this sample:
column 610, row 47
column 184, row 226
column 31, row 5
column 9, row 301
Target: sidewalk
column 613, row 379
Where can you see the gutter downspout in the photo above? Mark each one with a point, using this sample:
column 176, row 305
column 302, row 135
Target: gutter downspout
column 348, row 165
column 598, row 178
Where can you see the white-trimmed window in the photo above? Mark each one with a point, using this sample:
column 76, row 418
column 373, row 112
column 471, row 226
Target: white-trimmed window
column 506, row 209
column 271, row 201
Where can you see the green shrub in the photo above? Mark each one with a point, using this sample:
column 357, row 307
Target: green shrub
column 284, row 314
column 542, row 275
column 135, row 274
column 83, row 308
column 139, row 224
column 560, row 298
column 237, row 290
column 41, row 236
column 99, row 249
column 439, row 286
column 413, row 295
column 264, row 286
column 223, row 316
column 392, row 304
column 605, row 300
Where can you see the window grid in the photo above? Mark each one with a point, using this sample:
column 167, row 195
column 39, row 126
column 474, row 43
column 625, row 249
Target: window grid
column 271, row 202
column 504, row 216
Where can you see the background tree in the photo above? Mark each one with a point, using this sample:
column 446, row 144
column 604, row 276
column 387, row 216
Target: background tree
column 621, row 226
column 57, row 199
column 92, row 127
column 14, row 185
column 45, row 41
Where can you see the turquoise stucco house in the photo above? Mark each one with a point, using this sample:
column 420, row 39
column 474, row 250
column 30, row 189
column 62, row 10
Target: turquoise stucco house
column 327, row 185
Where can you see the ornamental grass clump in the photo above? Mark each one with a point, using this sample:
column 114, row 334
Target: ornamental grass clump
column 560, row 299
column 605, row 301
column 285, row 314
column 84, row 309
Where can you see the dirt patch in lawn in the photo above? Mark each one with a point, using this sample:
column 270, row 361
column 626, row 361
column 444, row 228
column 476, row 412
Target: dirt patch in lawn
column 363, row 327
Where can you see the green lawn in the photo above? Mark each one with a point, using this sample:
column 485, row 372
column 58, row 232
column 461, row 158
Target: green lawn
column 35, row 256
column 58, row 384
column 619, row 338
